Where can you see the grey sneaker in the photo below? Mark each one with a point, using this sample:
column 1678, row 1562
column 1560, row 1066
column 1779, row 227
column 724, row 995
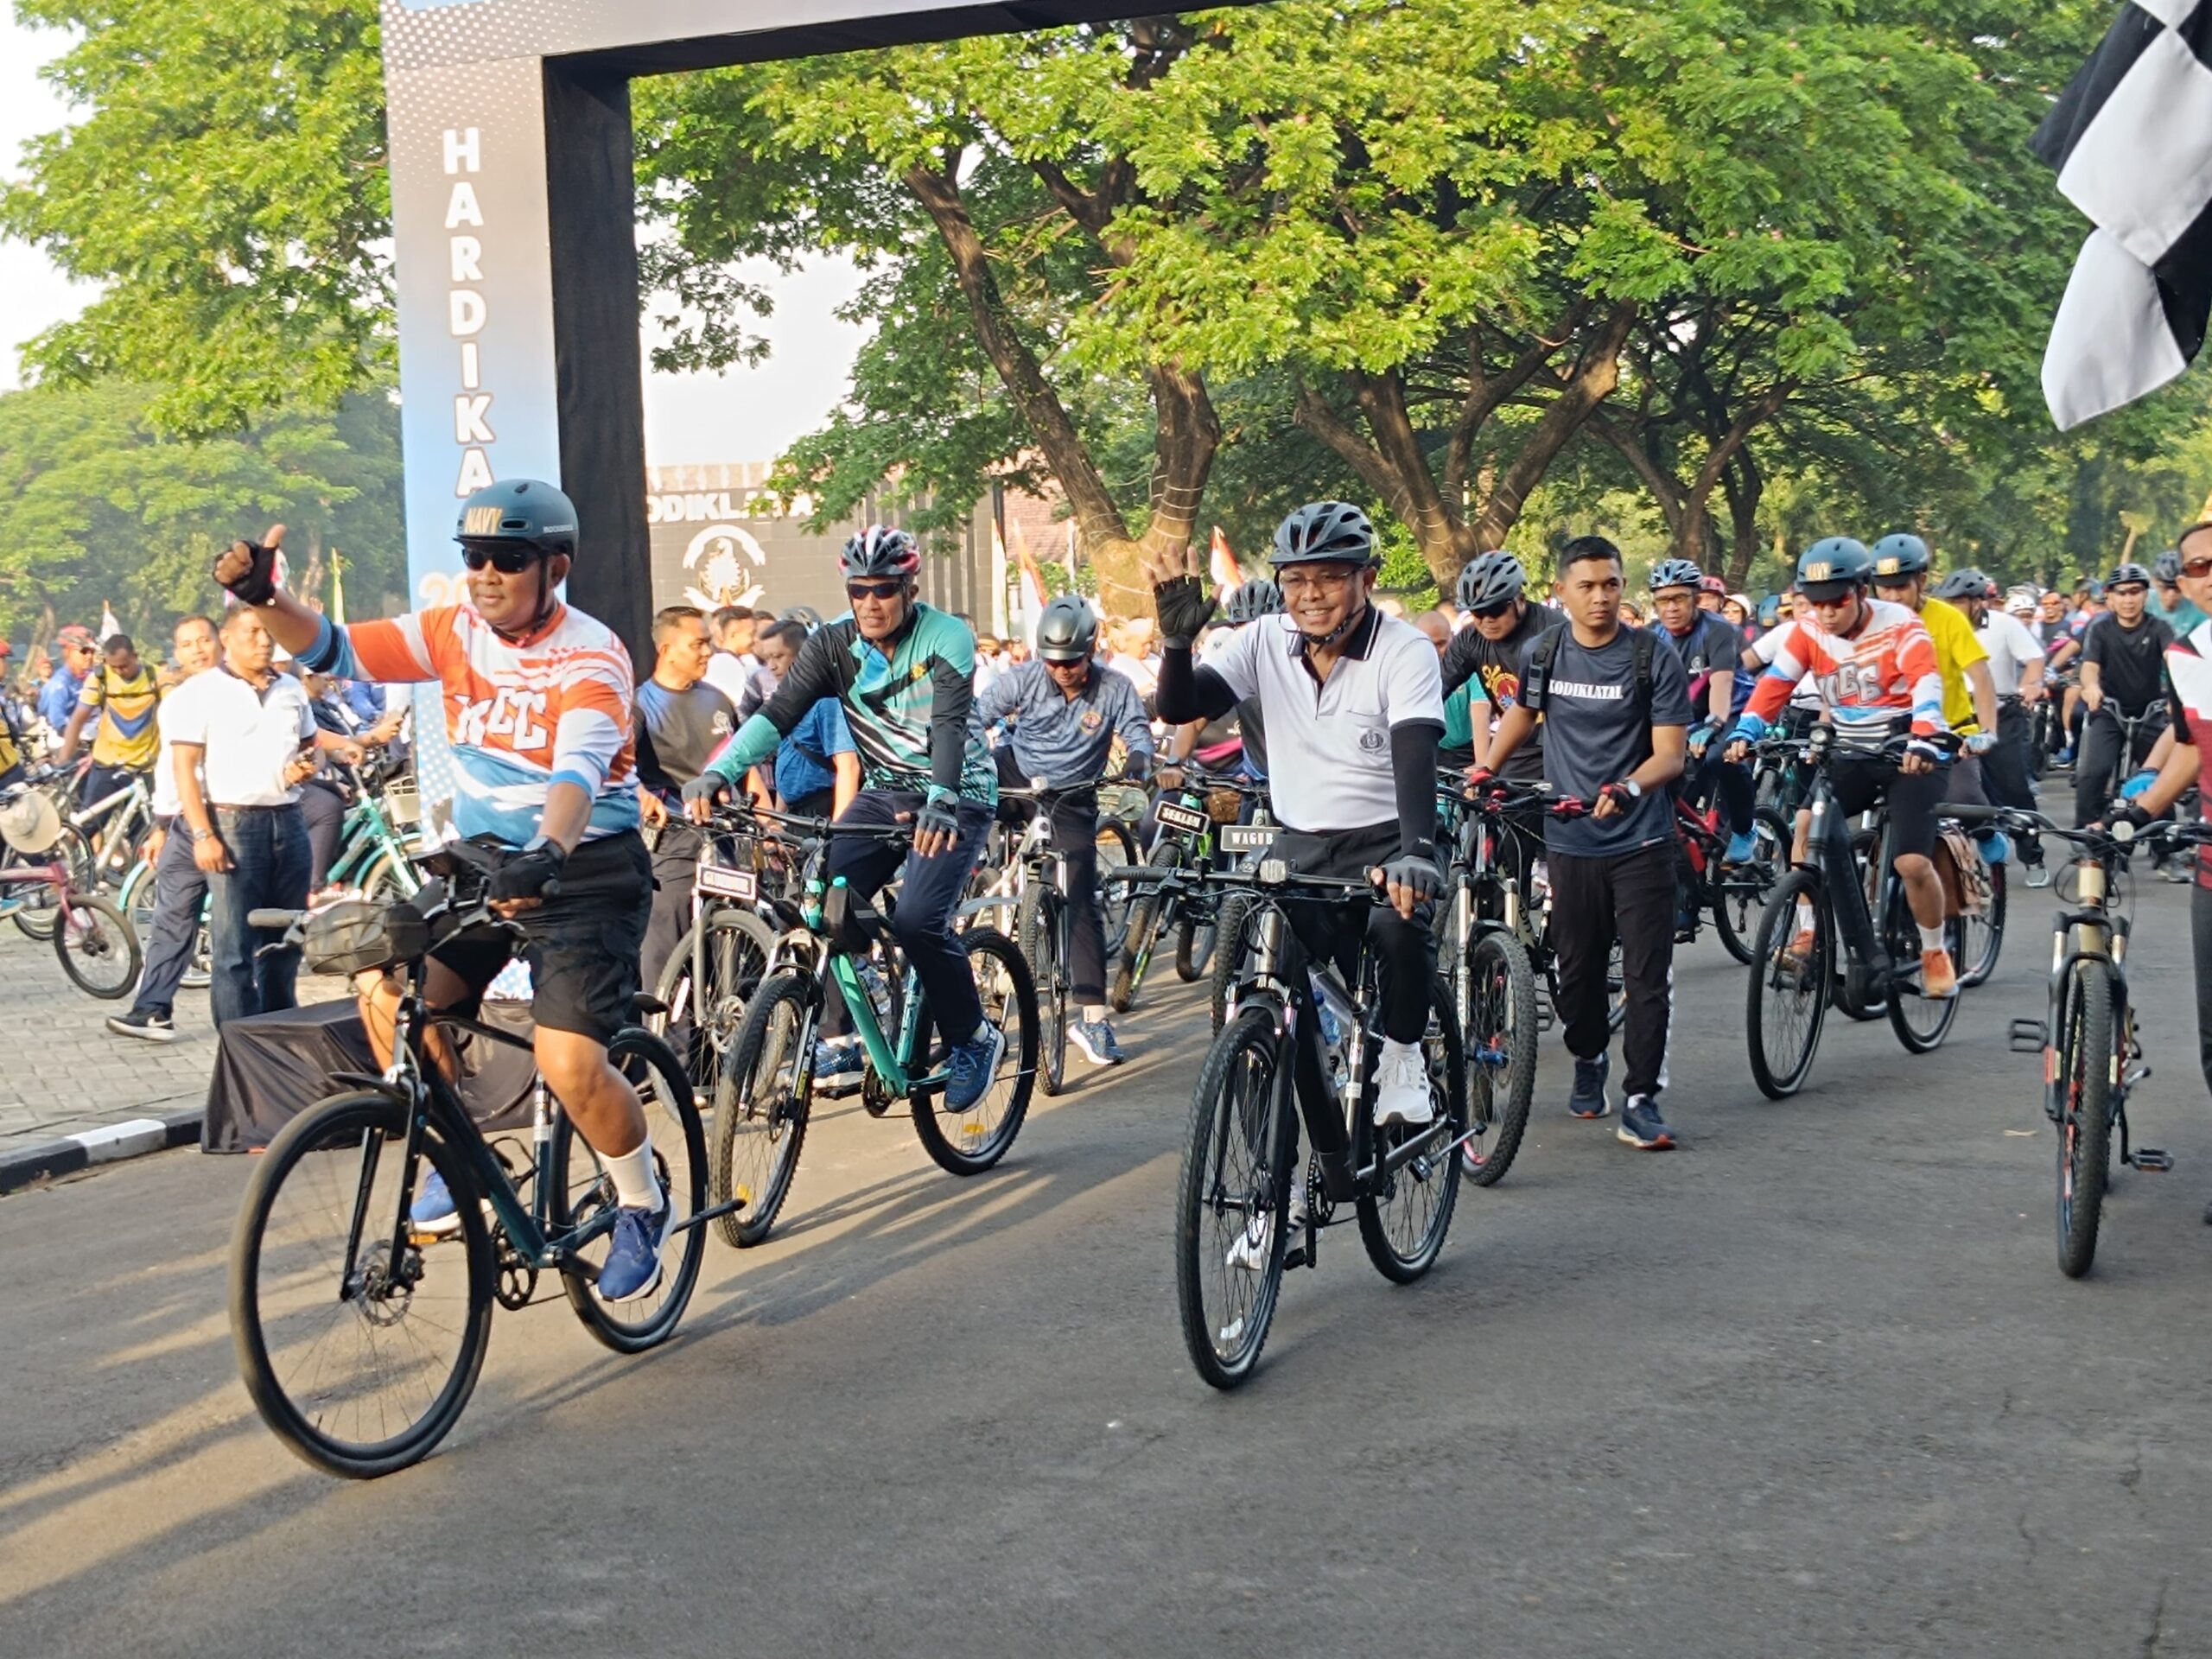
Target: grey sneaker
column 1640, row 1126
column 1588, row 1099
column 147, row 1026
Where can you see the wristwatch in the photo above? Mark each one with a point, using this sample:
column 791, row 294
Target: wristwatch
column 199, row 836
column 1635, row 790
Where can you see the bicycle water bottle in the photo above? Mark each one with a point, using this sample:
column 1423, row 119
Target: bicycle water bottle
column 1337, row 1018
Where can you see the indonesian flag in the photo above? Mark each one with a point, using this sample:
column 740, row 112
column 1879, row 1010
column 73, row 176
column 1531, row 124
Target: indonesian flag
column 1223, row 564
column 1030, row 573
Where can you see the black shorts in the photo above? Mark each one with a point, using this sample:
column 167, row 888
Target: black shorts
column 581, row 947
column 1913, row 801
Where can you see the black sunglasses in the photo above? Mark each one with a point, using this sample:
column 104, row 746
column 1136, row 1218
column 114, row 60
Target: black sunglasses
column 1492, row 612
column 873, row 589
column 507, row 561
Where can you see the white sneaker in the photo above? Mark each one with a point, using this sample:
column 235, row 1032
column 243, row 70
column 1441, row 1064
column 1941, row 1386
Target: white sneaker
column 1402, row 1091
column 1249, row 1252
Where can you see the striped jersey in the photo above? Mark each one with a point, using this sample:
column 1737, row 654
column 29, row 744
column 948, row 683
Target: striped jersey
column 125, row 735
column 522, row 716
column 1867, row 680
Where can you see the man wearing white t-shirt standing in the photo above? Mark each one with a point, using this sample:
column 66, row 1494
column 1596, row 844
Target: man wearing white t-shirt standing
column 1354, row 705
column 243, row 741
column 180, row 885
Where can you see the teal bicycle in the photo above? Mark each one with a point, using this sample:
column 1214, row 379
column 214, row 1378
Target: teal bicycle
column 836, row 943
column 360, row 1335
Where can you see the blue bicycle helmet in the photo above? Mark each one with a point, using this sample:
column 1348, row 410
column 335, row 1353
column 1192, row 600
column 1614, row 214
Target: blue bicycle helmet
column 1677, row 572
column 1833, row 566
column 1901, row 555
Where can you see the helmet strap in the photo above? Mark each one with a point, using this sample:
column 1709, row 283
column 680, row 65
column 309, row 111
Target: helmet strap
column 1323, row 641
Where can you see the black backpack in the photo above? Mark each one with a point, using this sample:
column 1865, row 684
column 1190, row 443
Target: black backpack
column 1537, row 679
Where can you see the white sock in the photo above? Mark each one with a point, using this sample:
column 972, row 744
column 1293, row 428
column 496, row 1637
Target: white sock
column 1094, row 1013
column 635, row 1188
column 1804, row 915
column 1931, row 938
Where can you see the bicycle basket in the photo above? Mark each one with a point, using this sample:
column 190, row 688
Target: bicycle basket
column 1225, row 806
column 354, row 936
column 403, row 804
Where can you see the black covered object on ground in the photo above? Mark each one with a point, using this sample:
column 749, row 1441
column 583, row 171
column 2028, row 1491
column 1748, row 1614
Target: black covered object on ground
column 272, row 1066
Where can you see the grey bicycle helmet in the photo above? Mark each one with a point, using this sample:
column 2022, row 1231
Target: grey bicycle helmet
column 1901, row 555
column 1966, row 583
column 1675, row 572
column 1489, row 581
column 880, row 550
column 1067, row 632
column 1324, row 532
column 2128, row 571
column 1249, row 600
column 2167, row 566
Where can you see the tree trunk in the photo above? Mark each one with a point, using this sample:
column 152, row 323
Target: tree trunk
column 1595, row 374
column 1745, row 486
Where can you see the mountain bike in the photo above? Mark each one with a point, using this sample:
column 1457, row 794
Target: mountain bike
column 2093, row 1053
column 1268, row 1067
column 1836, row 899
column 360, row 1335
column 836, row 943
column 1734, row 893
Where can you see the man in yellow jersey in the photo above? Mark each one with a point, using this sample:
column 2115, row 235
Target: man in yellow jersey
column 1901, row 564
column 122, row 696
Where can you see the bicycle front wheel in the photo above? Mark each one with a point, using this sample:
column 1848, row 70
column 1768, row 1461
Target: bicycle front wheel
column 1501, row 1044
column 359, row 1358
column 760, row 1114
column 583, row 1190
column 1789, row 985
column 1228, row 951
column 1231, row 1198
column 1402, row 1221
column 968, row 1143
column 1984, row 931
column 2085, row 1069
column 98, row 948
column 1038, row 927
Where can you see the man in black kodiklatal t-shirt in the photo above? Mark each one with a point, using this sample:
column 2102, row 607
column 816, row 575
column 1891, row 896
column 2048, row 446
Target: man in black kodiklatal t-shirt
column 2123, row 658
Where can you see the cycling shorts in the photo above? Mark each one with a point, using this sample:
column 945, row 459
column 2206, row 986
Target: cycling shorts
column 581, row 947
column 1914, row 801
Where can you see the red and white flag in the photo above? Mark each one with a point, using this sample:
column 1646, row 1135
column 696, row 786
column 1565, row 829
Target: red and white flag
column 1227, row 574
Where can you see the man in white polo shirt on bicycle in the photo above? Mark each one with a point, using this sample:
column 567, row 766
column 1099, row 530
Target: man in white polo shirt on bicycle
column 1354, row 705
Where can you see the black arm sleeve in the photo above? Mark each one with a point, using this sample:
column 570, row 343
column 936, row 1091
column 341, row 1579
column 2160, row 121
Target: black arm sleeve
column 1188, row 692
column 953, row 696
column 813, row 676
column 1412, row 763
column 1461, row 659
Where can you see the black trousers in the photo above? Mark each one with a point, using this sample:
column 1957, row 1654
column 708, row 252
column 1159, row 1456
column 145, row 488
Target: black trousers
column 676, row 867
column 180, row 895
column 2004, row 769
column 1405, row 950
column 2097, row 758
column 1594, row 901
column 1074, row 814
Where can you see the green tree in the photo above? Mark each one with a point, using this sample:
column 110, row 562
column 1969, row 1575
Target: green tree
column 226, row 191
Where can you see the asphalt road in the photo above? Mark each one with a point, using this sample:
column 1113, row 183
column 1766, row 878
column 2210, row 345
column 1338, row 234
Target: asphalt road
column 1811, row 1385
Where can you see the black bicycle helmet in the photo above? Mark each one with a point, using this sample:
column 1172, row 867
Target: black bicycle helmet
column 805, row 615
column 880, row 551
column 1067, row 632
column 1901, row 555
column 1677, row 572
column 518, row 509
column 1324, row 532
column 1833, row 566
column 2126, row 571
column 1249, row 600
column 1491, row 580
column 1967, row 583
column 2167, row 566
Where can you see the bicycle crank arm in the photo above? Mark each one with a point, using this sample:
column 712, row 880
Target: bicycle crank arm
column 1398, row 1157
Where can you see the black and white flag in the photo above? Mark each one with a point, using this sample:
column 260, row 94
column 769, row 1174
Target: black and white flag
column 2132, row 139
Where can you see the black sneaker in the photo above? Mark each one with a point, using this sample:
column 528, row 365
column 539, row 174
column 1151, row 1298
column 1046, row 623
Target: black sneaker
column 147, row 1028
column 1588, row 1099
column 1640, row 1126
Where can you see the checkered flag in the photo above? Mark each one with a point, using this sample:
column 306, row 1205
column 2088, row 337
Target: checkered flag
column 2132, row 139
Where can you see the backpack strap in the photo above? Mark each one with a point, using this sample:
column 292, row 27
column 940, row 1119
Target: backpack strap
column 1537, row 679
column 1641, row 644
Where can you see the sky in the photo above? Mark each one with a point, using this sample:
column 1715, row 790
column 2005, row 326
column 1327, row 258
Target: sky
column 745, row 415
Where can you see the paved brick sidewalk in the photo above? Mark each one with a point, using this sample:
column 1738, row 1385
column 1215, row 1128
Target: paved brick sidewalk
column 62, row 1073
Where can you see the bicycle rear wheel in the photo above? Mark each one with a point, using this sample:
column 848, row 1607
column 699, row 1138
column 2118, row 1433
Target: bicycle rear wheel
column 359, row 1360
column 1230, row 1199
column 1038, row 927
column 2085, row 1068
column 583, row 1190
column 1117, row 849
column 1739, row 893
column 701, row 1023
column 1146, row 922
column 1789, row 991
column 1403, row 1222
column 1920, row 1022
column 98, row 949
column 968, row 1143
column 40, row 911
column 761, row 1115
column 1501, row 1045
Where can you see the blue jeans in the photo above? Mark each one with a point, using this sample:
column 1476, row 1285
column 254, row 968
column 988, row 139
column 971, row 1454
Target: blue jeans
column 928, row 897
column 179, row 894
column 269, row 871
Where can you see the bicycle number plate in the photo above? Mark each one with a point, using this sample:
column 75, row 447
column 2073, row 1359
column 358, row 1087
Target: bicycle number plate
column 1249, row 837
column 1176, row 816
column 726, row 883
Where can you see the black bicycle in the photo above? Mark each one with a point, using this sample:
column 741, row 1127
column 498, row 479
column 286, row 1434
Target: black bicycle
column 1234, row 1233
column 359, row 1334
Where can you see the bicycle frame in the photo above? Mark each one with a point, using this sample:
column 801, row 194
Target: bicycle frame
column 367, row 835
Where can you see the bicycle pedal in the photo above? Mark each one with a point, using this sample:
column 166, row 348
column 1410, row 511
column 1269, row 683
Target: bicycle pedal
column 2151, row 1160
column 2029, row 1036
column 1545, row 1019
column 1294, row 1255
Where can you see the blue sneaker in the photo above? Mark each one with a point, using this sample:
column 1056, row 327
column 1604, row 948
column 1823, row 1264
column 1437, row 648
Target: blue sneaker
column 632, row 1266
column 1095, row 1039
column 971, row 1066
column 838, row 1057
column 1642, row 1128
column 433, row 1210
column 1741, row 848
column 2064, row 757
column 1588, row 1099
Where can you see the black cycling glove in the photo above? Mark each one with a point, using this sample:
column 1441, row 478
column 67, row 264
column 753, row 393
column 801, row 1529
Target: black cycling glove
column 1184, row 609
column 939, row 815
column 1417, row 872
column 529, row 872
column 259, row 585
column 709, row 786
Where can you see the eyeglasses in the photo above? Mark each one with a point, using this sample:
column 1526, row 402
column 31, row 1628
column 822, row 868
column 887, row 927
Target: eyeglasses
column 873, row 589
column 1296, row 581
column 1492, row 612
column 507, row 561
column 2197, row 569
